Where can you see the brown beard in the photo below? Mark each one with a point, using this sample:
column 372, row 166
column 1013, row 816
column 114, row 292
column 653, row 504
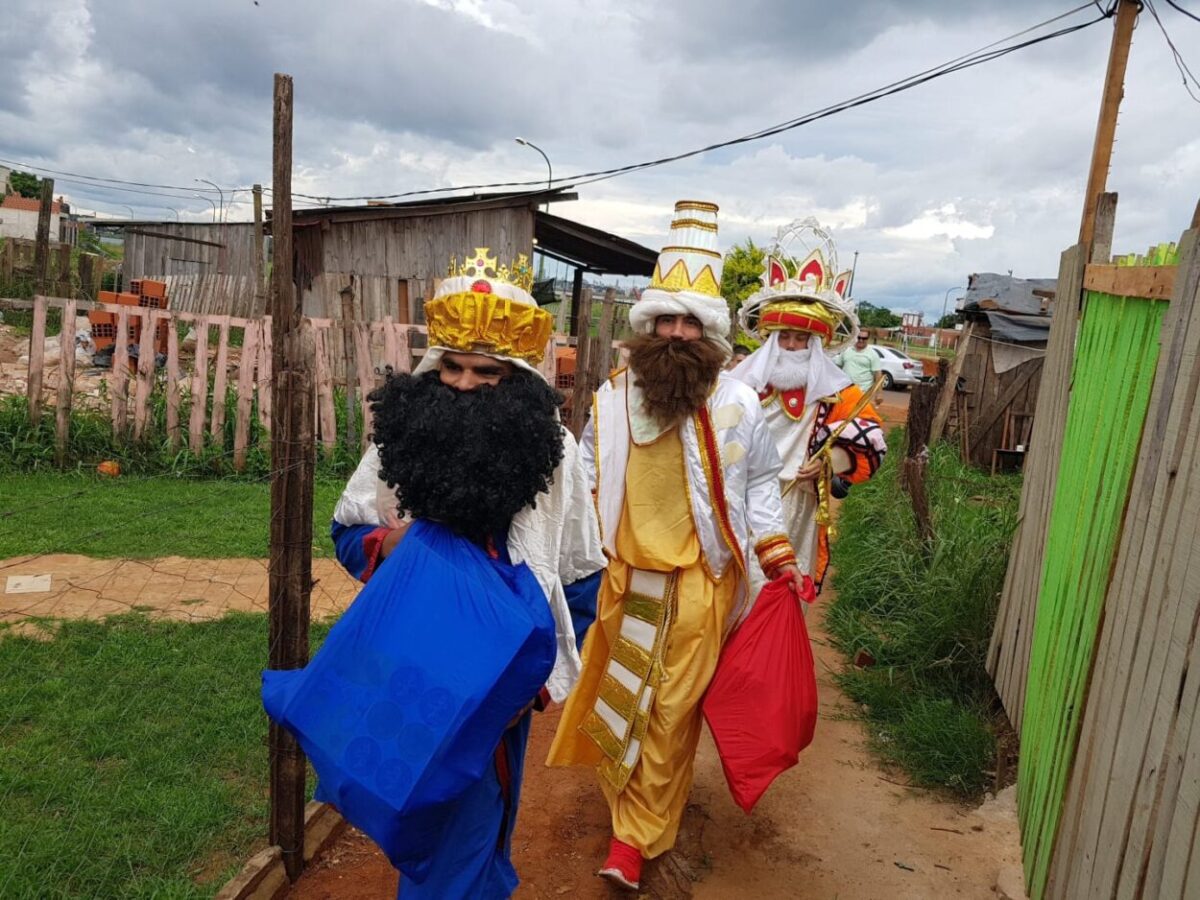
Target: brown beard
column 675, row 376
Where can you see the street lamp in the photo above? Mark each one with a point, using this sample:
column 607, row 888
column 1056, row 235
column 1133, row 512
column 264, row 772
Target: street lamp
column 549, row 187
column 220, row 192
column 210, row 203
column 945, row 300
column 549, row 170
column 174, row 210
column 130, row 208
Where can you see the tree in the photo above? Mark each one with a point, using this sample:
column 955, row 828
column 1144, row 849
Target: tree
column 949, row 320
column 742, row 274
column 870, row 316
column 26, row 185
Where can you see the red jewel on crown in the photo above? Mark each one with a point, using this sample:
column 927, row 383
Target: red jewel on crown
column 481, row 287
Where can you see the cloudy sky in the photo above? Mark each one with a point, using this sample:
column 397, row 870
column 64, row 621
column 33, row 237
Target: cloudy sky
column 982, row 170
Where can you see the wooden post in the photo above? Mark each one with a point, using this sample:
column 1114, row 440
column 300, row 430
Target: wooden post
column 920, row 420
column 145, row 373
column 348, row 318
column 8, row 252
column 1106, row 127
column 245, row 393
column 199, row 388
column 600, row 354
column 173, row 386
column 576, row 296
column 37, row 357
column 947, row 389
column 260, row 255
column 87, row 276
column 366, row 376
column 66, row 381
column 582, row 394
column 216, row 426
column 120, row 375
column 325, row 410
column 63, row 283
column 291, row 495
column 41, row 249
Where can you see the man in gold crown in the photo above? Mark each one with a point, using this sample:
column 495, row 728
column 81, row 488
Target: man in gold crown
column 472, row 439
column 684, row 472
column 828, row 434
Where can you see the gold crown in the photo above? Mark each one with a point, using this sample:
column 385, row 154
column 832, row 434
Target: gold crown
column 798, row 315
column 481, row 265
column 678, row 279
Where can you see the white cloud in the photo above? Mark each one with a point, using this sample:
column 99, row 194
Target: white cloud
column 980, row 171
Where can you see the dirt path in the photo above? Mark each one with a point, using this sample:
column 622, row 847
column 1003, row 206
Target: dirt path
column 173, row 587
column 836, row 826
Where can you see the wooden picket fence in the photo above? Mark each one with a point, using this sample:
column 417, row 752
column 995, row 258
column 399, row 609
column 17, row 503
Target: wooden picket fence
column 374, row 345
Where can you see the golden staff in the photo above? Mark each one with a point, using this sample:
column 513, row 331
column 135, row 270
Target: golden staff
column 825, row 455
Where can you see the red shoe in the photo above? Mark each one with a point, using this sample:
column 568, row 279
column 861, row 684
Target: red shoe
column 623, row 866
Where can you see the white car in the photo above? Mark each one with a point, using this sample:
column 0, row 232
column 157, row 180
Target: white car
column 899, row 369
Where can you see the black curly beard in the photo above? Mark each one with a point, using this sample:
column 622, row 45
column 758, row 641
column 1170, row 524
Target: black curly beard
column 468, row 459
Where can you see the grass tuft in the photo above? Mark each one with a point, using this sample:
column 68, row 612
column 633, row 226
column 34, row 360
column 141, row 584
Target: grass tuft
column 925, row 615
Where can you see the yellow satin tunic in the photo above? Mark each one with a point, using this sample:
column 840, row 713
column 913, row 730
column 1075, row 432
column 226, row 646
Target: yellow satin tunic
column 656, row 532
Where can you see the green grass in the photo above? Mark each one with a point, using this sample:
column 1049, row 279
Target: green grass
column 145, row 517
column 925, row 614
column 133, row 758
column 28, row 448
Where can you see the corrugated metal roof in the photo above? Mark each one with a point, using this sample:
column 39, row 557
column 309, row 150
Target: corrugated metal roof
column 1007, row 294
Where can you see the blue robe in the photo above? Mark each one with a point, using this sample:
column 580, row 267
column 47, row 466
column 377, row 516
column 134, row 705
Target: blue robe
column 402, row 712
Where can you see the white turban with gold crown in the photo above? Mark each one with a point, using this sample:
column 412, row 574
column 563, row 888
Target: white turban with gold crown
column 482, row 307
column 687, row 276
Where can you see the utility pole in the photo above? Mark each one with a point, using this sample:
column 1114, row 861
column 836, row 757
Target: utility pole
column 292, row 459
column 260, row 255
column 1106, row 127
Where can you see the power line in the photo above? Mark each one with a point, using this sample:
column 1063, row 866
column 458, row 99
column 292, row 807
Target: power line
column 984, row 54
column 1178, row 8
column 1184, row 72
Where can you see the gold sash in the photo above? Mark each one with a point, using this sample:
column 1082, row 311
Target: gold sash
column 617, row 723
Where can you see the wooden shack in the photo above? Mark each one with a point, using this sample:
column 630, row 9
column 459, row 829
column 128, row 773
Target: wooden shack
column 386, row 258
column 1003, row 345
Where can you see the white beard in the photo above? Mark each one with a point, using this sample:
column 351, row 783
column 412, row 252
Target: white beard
column 791, row 370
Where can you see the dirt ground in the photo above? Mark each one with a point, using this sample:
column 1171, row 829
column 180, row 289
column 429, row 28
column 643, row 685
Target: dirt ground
column 835, row 826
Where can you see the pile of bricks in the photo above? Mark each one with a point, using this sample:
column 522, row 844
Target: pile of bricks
column 143, row 292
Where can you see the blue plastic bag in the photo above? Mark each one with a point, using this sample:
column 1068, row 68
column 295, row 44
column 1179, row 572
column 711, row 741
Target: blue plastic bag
column 402, row 708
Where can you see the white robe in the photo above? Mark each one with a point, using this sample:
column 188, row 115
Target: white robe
column 750, row 467
column 558, row 539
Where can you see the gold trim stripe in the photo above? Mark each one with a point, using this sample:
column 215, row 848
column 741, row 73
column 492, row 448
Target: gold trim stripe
column 650, row 610
column 636, row 659
column 595, row 728
column 713, row 253
column 694, row 223
column 702, row 205
column 619, row 697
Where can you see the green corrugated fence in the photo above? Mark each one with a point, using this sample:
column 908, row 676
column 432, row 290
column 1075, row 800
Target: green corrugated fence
column 1115, row 360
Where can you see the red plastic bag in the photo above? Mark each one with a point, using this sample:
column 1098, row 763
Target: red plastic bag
column 762, row 703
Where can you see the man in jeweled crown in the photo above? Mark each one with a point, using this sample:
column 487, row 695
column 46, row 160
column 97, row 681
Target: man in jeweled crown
column 827, row 433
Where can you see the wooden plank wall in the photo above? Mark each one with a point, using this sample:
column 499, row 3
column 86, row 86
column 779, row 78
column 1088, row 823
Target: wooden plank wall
column 1008, row 656
column 1131, row 823
column 149, row 255
column 228, row 295
column 382, row 253
column 990, row 393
